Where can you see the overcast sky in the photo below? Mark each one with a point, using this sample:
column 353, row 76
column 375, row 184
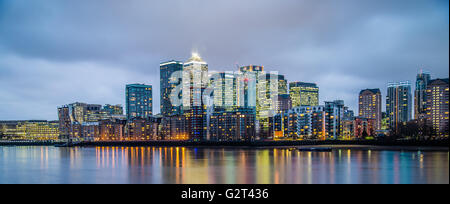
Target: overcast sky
column 55, row 52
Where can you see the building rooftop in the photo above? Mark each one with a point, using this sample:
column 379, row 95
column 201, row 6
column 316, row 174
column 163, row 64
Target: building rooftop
column 195, row 58
column 252, row 68
column 139, row 85
column 297, row 83
column 437, row 80
column 23, row 121
column 397, row 84
column 170, row 62
column 374, row 91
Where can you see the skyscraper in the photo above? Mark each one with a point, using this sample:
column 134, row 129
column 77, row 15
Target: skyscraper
column 268, row 88
column 370, row 105
column 195, row 81
column 139, row 101
column 260, row 90
column 398, row 103
column 420, row 96
column 170, row 74
column 304, row 94
column 252, row 68
column 284, row 103
column 437, row 106
column 225, row 88
column 247, row 85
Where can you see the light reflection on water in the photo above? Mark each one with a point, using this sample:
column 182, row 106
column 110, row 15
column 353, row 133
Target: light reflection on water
column 218, row 165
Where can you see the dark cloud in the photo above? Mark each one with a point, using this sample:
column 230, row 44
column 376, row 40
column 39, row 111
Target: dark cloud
column 54, row 52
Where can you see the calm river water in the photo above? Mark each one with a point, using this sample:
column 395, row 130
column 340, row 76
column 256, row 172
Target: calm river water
column 160, row 165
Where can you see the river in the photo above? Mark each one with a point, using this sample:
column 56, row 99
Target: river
column 189, row 165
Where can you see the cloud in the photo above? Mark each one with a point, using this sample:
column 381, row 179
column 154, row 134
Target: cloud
column 54, row 52
column 34, row 88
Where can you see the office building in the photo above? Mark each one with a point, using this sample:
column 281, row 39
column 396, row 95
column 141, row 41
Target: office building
column 268, row 88
column 284, row 103
column 30, row 130
column 247, row 81
column 225, row 90
column 170, row 79
column 195, row 81
column 304, row 94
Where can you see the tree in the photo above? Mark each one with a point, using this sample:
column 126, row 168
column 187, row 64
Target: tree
column 409, row 130
column 364, row 134
column 412, row 129
column 393, row 133
column 428, row 131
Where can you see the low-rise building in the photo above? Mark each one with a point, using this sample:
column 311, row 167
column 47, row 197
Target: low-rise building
column 142, row 129
column 80, row 121
column 305, row 122
column 358, row 128
column 234, row 125
column 30, row 130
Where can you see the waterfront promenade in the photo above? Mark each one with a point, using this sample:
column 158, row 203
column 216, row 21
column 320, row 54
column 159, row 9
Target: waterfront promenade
column 430, row 143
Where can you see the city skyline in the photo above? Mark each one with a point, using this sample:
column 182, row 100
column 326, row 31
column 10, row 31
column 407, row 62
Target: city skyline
column 199, row 93
column 42, row 71
column 320, row 102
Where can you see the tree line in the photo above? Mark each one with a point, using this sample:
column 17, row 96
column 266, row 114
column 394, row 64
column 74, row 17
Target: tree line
column 418, row 130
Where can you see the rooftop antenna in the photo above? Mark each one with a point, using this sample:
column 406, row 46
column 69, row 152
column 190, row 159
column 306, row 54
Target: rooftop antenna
column 236, row 64
column 424, row 69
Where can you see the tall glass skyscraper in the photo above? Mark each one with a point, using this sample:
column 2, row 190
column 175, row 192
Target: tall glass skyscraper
column 260, row 90
column 139, row 101
column 247, row 85
column 420, row 96
column 269, row 88
column 170, row 74
column 225, row 88
column 399, row 103
column 195, row 82
column 304, row 94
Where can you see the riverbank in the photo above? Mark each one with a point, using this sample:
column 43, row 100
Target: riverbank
column 440, row 143
column 29, row 143
column 403, row 143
